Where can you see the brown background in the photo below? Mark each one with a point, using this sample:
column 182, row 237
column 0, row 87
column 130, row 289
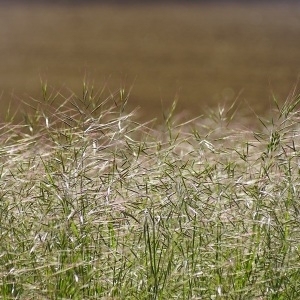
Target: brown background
column 204, row 54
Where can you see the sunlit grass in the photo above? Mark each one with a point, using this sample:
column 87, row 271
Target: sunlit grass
column 97, row 206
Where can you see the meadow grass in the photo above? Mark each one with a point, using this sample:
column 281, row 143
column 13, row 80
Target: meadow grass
column 97, row 206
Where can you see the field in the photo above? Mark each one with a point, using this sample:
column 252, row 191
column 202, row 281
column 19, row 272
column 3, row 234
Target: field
column 98, row 200
column 95, row 205
column 202, row 54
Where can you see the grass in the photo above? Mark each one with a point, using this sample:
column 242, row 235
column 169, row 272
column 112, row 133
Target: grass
column 97, row 206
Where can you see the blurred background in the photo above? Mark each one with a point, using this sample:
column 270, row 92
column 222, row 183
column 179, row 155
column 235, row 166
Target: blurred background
column 203, row 53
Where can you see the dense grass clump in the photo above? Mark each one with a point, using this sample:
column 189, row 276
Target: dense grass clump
column 97, row 206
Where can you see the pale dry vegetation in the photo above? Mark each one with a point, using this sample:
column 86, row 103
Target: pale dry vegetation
column 97, row 206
